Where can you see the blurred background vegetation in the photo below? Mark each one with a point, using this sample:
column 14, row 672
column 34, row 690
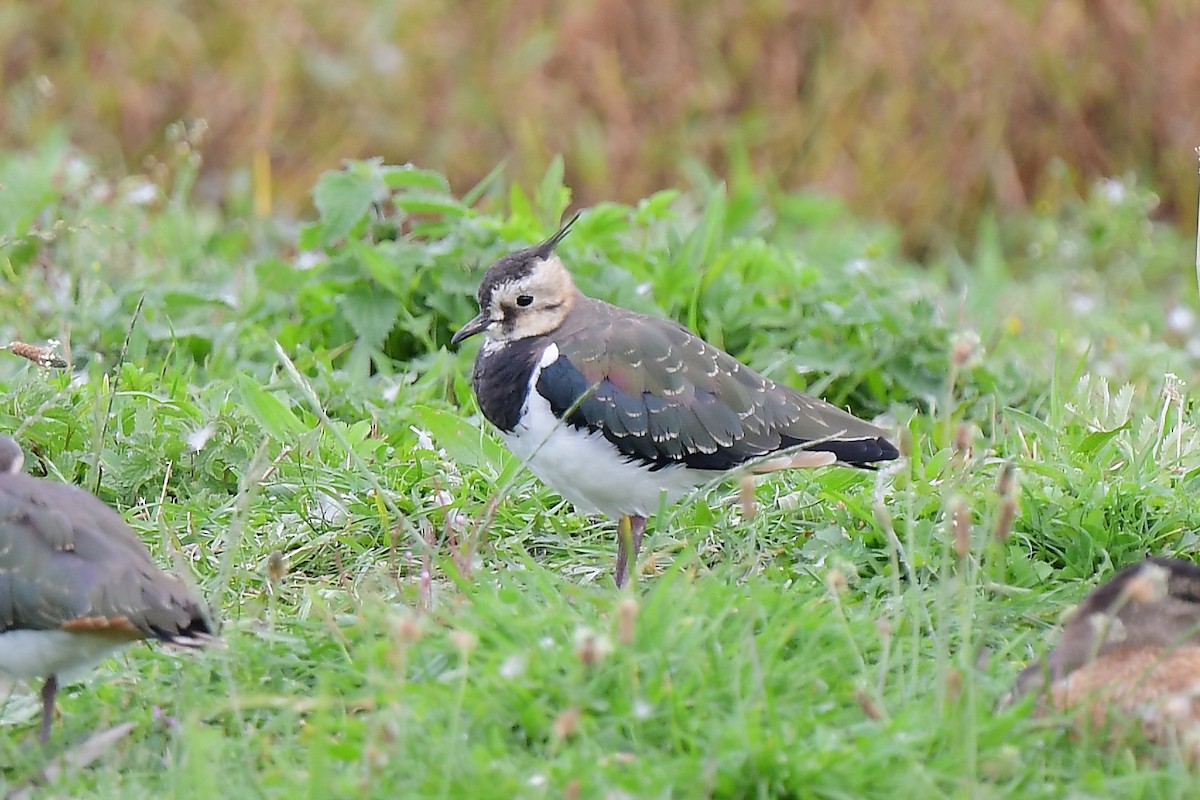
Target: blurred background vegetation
column 923, row 113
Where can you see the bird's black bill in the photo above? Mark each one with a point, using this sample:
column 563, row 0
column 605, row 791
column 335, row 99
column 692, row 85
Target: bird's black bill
column 470, row 329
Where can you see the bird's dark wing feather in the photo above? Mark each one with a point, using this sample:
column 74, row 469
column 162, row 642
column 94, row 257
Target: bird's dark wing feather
column 664, row 396
column 67, row 561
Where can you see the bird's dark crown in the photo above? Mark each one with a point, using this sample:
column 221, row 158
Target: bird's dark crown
column 1183, row 583
column 518, row 265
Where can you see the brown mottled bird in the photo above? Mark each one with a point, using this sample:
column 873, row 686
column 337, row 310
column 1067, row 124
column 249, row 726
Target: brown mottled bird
column 76, row 583
column 615, row 409
column 1132, row 647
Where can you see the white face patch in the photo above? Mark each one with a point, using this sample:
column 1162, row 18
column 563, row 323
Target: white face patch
column 533, row 305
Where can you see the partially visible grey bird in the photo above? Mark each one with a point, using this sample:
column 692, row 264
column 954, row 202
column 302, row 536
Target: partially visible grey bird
column 1146, row 615
column 1130, row 657
column 614, row 409
column 76, row 584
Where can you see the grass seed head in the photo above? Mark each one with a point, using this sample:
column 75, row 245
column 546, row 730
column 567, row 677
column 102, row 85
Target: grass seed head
column 964, row 348
column 746, row 497
column 47, row 357
column 276, row 567
column 1006, row 480
column 464, row 642
column 954, row 681
column 964, row 443
column 868, row 704
column 835, row 582
column 591, row 647
column 1004, row 519
column 408, row 629
column 627, row 612
column 566, row 724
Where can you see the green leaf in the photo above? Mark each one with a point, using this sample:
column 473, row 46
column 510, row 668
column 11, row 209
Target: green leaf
column 519, row 208
column 491, row 182
column 269, row 411
column 602, row 220
column 552, row 197
column 343, row 200
column 409, row 177
column 424, row 203
column 382, row 269
column 1097, row 439
column 310, row 236
column 1030, row 422
column 371, row 314
column 655, row 207
column 465, row 443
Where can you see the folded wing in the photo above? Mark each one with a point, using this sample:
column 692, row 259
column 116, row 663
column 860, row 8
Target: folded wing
column 664, row 396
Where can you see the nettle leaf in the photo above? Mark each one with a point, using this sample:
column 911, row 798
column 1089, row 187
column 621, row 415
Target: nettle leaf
column 310, row 236
column 371, row 314
column 381, row 267
column 344, row 198
column 269, row 411
column 409, row 177
column 426, row 203
column 520, row 209
column 656, row 207
column 602, row 221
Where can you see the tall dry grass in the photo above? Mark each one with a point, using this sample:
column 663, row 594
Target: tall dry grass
column 923, row 112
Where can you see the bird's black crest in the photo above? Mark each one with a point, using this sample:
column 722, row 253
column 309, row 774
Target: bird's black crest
column 515, row 266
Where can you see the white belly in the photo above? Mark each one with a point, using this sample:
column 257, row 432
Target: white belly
column 585, row 468
column 39, row 654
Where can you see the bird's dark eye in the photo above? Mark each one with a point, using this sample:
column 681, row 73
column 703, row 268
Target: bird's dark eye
column 524, row 300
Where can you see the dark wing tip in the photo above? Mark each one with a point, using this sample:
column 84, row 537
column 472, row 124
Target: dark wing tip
column 198, row 632
column 861, row 453
column 887, row 450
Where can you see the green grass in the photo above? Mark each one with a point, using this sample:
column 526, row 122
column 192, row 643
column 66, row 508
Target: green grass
column 447, row 626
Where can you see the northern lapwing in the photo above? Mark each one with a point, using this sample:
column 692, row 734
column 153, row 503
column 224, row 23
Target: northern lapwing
column 1131, row 647
column 614, row 409
column 76, row 584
